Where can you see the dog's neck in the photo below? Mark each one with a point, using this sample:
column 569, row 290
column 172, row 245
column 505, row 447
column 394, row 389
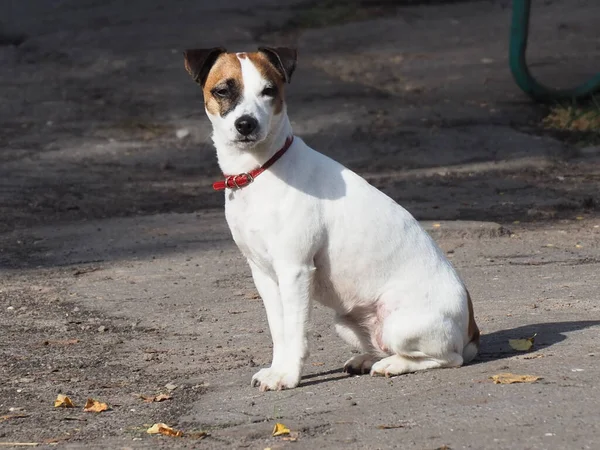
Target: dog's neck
column 234, row 160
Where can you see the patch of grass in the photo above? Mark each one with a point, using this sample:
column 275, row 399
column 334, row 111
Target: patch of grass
column 583, row 117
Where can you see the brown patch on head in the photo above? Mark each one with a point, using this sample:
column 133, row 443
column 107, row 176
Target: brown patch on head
column 224, row 85
column 473, row 330
column 272, row 75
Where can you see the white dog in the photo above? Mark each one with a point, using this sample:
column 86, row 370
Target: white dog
column 313, row 230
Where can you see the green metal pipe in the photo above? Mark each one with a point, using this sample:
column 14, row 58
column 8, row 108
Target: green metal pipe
column 518, row 63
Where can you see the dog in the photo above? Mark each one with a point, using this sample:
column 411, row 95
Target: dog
column 313, row 230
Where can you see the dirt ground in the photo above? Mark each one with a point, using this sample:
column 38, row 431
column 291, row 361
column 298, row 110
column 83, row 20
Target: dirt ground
column 119, row 277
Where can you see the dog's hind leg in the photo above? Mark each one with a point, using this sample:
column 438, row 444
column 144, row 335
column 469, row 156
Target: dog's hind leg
column 399, row 364
column 419, row 342
column 359, row 338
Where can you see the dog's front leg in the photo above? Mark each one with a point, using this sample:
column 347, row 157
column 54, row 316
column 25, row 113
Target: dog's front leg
column 294, row 284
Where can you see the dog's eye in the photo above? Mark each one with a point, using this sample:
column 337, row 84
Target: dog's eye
column 221, row 92
column 269, row 91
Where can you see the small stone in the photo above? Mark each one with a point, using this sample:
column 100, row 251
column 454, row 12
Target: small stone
column 10, row 308
column 102, row 329
column 182, row 133
column 170, row 386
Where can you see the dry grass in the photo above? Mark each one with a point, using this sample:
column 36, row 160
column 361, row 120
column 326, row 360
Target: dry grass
column 583, row 117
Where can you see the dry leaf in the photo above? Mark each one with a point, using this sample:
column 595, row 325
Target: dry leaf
column 509, row 378
column 522, row 345
column 62, row 401
column 155, row 398
column 280, row 429
column 95, row 406
column 166, row 430
column 13, row 416
column 317, row 364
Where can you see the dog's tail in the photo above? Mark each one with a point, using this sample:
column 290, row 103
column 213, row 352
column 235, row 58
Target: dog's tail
column 470, row 350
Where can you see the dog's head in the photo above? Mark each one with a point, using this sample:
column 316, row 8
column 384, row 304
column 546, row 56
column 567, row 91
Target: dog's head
column 243, row 92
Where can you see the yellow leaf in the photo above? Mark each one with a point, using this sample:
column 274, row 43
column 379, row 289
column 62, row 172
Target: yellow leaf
column 161, row 428
column 509, row 378
column 62, row 401
column 95, row 406
column 280, row 429
column 436, row 225
column 522, row 345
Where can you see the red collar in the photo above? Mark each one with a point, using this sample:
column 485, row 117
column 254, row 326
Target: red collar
column 244, row 179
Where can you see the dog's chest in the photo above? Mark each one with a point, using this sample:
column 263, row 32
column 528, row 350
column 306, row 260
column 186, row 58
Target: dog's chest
column 250, row 227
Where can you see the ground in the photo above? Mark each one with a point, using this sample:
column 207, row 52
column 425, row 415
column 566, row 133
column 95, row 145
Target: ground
column 120, row 278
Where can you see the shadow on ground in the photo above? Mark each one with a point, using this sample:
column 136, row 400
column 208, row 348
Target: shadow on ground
column 494, row 346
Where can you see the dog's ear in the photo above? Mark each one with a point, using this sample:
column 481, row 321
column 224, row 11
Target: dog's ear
column 199, row 61
column 283, row 58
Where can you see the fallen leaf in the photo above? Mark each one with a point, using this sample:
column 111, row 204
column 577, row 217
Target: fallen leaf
column 155, row 398
column 62, row 401
column 166, row 430
column 522, row 345
column 13, row 416
column 95, row 406
column 280, row 429
column 317, row 364
column 509, row 378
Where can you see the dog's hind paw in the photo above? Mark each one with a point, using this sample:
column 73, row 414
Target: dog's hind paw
column 360, row 364
column 269, row 379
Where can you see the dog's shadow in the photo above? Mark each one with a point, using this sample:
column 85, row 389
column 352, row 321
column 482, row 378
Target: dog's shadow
column 494, row 346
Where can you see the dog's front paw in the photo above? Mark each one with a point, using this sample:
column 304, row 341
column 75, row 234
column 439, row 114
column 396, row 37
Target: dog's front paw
column 270, row 379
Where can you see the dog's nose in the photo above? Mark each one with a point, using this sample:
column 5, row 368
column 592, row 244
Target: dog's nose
column 246, row 125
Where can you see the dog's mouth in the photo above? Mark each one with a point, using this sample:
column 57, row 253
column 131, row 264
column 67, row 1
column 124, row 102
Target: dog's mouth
column 247, row 140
